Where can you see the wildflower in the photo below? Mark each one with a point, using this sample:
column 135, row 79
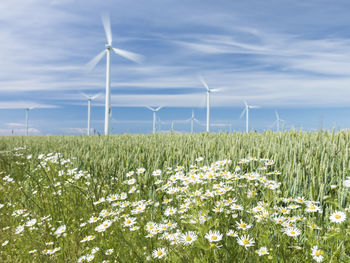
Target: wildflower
column 159, row 253
column 31, row 222
column 231, row 233
column 337, row 217
column 87, row 238
column 129, row 221
column 157, row 172
column 93, row 219
column 188, row 238
column 246, row 241
column 140, row 171
column 292, row 231
column 346, row 183
column 90, row 257
column 213, row 236
column 262, row 251
column 109, row 251
column 236, row 207
column 103, row 226
column 170, row 211
column 312, row 208
column 243, row 225
column 82, row 259
column 4, row 243
column 101, row 200
column 317, row 254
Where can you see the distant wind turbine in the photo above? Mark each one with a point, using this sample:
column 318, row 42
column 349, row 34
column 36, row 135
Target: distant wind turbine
column 154, row 116
column 208, row 100
column 90, row 98
column 246, row 111
column 192, row 119
column 278, row 121
column 107, row 51
column 27, row 118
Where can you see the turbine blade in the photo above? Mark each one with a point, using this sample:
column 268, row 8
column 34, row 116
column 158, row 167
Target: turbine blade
column 215, row 90
column 85, row 95
column 93, row 62
column 246, row 104
column 254, row 107
column 150, row 108
column 204, row 83
column 107, row 26
column 242, row 114
column 158, row 108
column 129, row 55
column 94, row 97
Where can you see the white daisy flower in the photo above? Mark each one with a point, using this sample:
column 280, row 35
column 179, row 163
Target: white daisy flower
column 159, row 253
column 245, row 241
column 213, row 236
column 337, row 217
column 188, row 238
column 316, row 254
column 262, row 251
column 60, row 230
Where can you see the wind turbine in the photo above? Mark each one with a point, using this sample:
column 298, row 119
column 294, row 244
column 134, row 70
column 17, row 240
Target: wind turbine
column 246, row 111
column 277, row 121
column 27, row 118
column 107, row 51
column 208, row 100
column 90, row 98
column 192, row 120
column 154, row 116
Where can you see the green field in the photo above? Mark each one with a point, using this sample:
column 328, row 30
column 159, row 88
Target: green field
column 270, row 197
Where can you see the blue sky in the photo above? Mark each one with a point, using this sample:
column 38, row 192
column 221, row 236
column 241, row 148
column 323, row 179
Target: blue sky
column 289, row 56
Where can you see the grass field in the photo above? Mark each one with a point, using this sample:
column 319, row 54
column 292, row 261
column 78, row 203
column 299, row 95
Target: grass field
column 271, row 197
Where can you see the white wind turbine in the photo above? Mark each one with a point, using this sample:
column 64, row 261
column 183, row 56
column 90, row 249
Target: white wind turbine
column 154, row 116
column 107, row 51
column 208, row 100
column 192, row 119
column 90, row 98
column 246, row 111
column 278, row 121
column 27, row 118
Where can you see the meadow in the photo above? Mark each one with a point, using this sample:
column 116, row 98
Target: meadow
column 258, row 197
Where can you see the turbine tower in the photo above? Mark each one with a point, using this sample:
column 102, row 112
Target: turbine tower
column 27, row 118
column 90, row 98
column 154, row 116
column 208, row 100
column 107, row 51
column 246, row 111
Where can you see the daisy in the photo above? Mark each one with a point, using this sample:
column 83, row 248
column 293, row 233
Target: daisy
column 243, row 225
column 231, row 233
column 292, row 231
column 245, row 241
column 317, row 254
column 337, row 217
column 236, row 207
column 129, row 221
column 213, row 236
column 87, row 238
column 262, row 251
column 170, row 211
column 109, row 251
column 60, row 230
column 312, row 208
column 159, row 253
column 346, row 183
column 188, row 238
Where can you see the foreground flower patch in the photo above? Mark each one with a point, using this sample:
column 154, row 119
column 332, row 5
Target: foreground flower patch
column 223, row 212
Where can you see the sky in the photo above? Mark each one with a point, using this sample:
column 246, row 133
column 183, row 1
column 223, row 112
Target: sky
column 292, row 57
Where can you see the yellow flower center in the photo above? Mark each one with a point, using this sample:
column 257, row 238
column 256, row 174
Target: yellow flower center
column 214, row 237
column 188, row 238
column 159, row 253
column 318, row 253
column 292, row 232
column 337, row 216
column 245, row 242
column 243, row 225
